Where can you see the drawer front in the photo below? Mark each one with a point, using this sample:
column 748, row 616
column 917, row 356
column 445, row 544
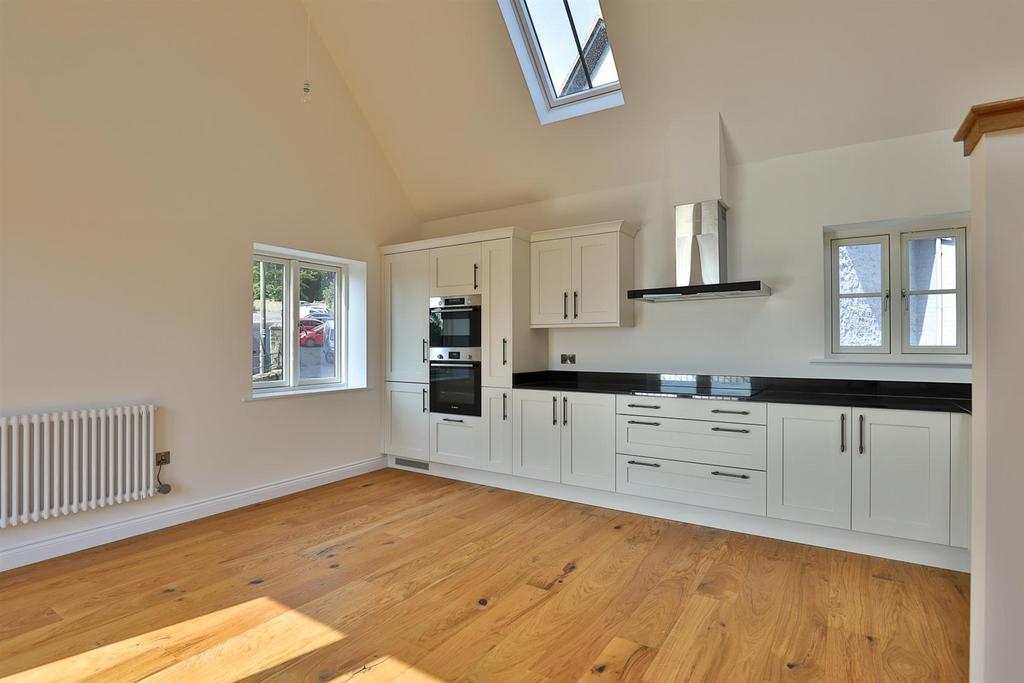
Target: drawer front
column 684, row 482
column 698, row 441
column 458, row 440
column 745, row 412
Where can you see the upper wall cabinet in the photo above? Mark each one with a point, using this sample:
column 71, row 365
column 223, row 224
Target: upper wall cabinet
column 455, row 270
column 579, row 276
column 406, row 284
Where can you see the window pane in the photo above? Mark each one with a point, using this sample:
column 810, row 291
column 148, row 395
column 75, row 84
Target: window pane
column 551, row 26
column 860, row 268
column 932, row 263
column 860, row 322
column 267, row 311
column 319, row 288
column 586, row 14
column 933, row 320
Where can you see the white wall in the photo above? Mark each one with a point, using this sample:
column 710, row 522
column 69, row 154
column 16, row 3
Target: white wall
column 997, row 555
column 146, row 146
column 778, row 210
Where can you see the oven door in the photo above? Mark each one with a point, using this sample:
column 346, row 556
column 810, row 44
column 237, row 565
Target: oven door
column 455, row 327
column 455, row 388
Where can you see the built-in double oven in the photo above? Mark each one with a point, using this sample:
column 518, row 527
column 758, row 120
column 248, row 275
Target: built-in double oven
column 455, row 355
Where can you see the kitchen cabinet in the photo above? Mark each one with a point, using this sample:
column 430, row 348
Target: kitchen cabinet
column 497, row 411
column 455, row 270
column 809, row 467
column 711, row 443
column 537, row 434
column 711, row 486
column 496, row 313
column 901, row 473
column 580, row 276
column 567, row 437
column 458, row 440
column 588, row 440
column 406, row 420
column 959, row 480
column 406, row 295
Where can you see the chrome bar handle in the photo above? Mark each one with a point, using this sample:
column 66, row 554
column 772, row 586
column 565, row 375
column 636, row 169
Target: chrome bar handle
column 730, row 474
column 424, row 400
column 554, row 410
column 565, row 410
column 639, row 422
column 641, row 405
column 842, row 433
column 504, row 351
column 565, row 305
column 504, row 406
column 645, row 464
column 475, row 268
column 424, row 351
column 730, row 412
column 726, row 429
column 862, row 435
column 452, row 419
column 575, row 305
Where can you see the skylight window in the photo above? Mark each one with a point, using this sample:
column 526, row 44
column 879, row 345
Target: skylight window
column 565, row 55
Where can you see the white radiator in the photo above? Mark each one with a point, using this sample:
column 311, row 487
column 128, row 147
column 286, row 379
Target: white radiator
column 55, row 464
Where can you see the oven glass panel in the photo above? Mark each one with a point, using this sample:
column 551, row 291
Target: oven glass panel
column 455, row 388
column 454, row 328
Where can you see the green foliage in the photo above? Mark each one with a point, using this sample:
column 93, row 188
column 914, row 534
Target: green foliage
column 273, row 280
column 314, row 285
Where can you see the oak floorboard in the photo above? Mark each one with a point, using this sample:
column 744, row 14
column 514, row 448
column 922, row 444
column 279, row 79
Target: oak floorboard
column 397, row 576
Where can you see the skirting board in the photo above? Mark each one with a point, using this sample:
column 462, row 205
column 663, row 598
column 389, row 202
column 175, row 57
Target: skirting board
column 116, row 531
column 918, row 552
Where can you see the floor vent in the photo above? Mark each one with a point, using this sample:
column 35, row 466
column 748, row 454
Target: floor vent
column 415, row 464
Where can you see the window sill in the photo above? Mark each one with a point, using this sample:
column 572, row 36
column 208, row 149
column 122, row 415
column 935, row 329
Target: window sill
column 904, row 362
column 303, row 391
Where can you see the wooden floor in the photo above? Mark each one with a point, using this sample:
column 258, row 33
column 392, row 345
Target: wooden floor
column 400, row 576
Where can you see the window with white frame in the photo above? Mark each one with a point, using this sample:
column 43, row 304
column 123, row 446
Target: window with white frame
column 565, row 55
column 898, row 290
column 304, row 321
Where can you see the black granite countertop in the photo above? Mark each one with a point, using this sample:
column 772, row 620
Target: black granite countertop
column 947, row 397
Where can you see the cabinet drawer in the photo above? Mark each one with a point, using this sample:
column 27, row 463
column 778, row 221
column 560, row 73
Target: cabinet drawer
column 685, row 482
column 698, row 441
column 745, row 412
column 458, row 440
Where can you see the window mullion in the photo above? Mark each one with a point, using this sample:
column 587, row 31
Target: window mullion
column 579, row 48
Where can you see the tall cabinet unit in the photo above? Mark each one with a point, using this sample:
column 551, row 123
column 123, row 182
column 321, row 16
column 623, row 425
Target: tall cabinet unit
column 406, row 293
column 579, row 277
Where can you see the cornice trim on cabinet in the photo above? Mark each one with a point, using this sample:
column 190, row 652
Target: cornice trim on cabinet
column 989, row 117
column 452, row 240
column 583, row 230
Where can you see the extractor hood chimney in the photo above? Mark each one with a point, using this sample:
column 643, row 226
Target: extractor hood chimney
column 700, row 251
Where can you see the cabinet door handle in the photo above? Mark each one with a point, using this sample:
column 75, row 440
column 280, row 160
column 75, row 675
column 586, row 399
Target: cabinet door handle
column 424, row 400
column 565, row 410
column 726, row 429
column 452, row 419
column 475, row 268
column 645, row 464
column 565, row 305
column 639, row 422
column 504, row 351
column 642, row 405
column 842, row 433
column 575, row 305
column 862, row 435
column 424, row 350
column 730, row 412
column 504, row 406
column 554, row 410
column 730, row 474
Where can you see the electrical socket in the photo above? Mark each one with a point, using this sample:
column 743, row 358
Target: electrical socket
column 163, row 458
column 568, row 359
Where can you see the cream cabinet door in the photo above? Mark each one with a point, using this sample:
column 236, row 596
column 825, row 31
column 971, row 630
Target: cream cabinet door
column 901, row 474
column 496, row 313
column 550, row 282
column 406, row 298
column 458, row 440
column 537, row 434
column 595, row 279
column 809, row 464
column 455, row 270
column 497, row 410
column 406, row 420
column 588, row 440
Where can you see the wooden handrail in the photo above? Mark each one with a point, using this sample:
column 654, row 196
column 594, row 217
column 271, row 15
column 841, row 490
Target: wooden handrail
column 989, row 118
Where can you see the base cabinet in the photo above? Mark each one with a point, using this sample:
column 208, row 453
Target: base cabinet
column 497, row 411
column 537, row 434
column 458, row 440
column 710, row 486
column 809, row 464
column 588, row 440
column 406, row 420
column 901, row 474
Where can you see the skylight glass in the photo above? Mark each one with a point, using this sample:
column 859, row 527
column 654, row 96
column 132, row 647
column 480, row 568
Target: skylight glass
column 574, row 47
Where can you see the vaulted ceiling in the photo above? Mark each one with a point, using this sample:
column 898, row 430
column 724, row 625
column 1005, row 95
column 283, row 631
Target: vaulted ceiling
column 442, row 89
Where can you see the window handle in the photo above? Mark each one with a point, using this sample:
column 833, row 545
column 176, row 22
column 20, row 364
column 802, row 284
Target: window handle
column 885, row 301
column 565, row 305
column 475, row 269
column 575, row 305
column 906, row 299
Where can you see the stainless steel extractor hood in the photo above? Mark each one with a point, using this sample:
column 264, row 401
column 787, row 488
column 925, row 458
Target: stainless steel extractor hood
column 700, row 251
